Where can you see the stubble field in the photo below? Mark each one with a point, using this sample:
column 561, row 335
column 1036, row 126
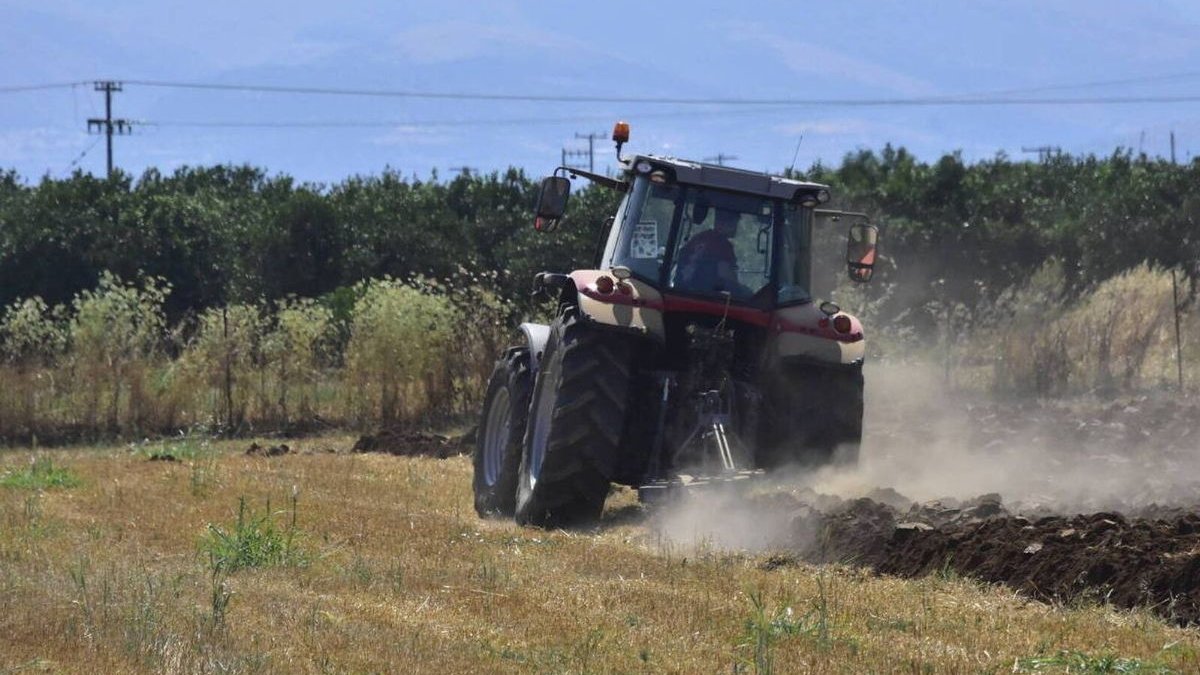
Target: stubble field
column 112, row 560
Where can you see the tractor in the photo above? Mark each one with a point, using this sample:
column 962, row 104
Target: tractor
column 693, row 353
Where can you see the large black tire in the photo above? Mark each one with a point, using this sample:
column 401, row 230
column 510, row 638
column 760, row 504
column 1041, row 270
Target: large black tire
column 576, row 421
column 814, row 417
column 501, row 433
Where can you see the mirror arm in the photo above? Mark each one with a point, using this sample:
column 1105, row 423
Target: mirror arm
column 834, row 212
column 610, row 183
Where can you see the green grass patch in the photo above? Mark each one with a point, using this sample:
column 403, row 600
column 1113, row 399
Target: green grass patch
column 41, row 474
column 255, row 540
column 1078, row 662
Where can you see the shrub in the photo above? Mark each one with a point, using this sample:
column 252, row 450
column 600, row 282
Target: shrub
column 1119, row 335
column 31, row 333
column 218, row 360
column 32, row 338
column 1119, row 324
column 115, row 338
column 292, row 350
column 400, row 339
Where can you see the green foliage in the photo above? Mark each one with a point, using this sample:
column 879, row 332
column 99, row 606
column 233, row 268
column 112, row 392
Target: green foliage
column 399, row 342
column 116, row 334
column 41, row 474
column 255, row 540
column 226, row 297
column 402, row 352
column 31, row 332
column 219, row 358
column 1079, row 662
column 234, row 234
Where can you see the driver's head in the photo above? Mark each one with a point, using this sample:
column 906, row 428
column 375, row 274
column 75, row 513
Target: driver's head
column 726, row 222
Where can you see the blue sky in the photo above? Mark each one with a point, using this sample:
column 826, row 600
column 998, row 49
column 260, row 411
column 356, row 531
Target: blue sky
column 795, row 50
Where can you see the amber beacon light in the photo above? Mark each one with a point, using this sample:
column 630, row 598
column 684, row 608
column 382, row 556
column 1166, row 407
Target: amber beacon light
column 621, row 132
column 620, row 136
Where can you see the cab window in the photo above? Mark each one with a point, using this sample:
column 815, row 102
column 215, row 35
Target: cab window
column 641, row 242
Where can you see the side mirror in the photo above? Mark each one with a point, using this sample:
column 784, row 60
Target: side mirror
column 551, row 203
column 860, row 251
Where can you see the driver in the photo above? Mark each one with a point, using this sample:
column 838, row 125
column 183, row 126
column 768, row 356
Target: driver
column 707, row 262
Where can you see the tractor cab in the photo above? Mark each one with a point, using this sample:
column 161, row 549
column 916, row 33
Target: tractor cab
column 712, row 232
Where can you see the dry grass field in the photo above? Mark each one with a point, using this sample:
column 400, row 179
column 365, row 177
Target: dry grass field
column 113, row 562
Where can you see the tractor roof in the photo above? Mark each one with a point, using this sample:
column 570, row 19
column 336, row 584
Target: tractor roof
column 728, row 178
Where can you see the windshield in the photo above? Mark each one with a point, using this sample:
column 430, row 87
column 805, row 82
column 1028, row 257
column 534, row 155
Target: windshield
column 794, row 277
column 719, row 242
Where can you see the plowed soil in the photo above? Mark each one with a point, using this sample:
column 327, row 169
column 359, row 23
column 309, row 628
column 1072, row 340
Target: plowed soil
column 1096, row 501
column 1128, row 562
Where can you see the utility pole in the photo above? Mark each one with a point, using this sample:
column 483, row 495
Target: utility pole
column 108, row 126
column 720, row 158
column 467, row 171
column 1044, row 152
column 591, row 151
column 566, row 154
column 1172, row 146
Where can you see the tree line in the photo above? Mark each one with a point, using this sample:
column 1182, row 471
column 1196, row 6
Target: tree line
column 954, row 231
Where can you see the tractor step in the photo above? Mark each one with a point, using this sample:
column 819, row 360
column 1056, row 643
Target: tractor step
column 683, row 484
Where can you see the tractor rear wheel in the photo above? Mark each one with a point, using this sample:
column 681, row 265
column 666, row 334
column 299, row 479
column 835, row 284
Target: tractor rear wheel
column 500, row 434
column 577, row 418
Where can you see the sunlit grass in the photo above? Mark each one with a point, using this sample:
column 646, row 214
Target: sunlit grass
column 399, row 575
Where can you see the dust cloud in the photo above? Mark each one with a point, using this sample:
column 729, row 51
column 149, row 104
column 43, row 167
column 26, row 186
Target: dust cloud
column 927, row 444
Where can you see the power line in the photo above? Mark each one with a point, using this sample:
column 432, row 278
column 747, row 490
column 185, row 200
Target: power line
column 17, row 88
column 958, row 100
column 1001, row 98
column 979, row 98
column 1088, row 85
column 574, row 119
column 320, row 124
column 75, row 162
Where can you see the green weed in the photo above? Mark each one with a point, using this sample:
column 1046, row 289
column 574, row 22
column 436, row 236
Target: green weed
column 1078, row 662
column 41, row 474
column 255, row 540
column 765, row 627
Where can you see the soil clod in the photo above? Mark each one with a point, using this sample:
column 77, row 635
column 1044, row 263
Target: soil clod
column 256, row 450
column 404, row 443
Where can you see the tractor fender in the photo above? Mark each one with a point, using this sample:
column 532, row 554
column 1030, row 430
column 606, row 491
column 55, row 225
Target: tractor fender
column 635, row 308
column 804, row 333
column 536, row 335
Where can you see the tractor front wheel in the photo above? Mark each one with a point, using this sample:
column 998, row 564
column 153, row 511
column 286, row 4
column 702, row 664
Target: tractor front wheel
column 500, row 434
